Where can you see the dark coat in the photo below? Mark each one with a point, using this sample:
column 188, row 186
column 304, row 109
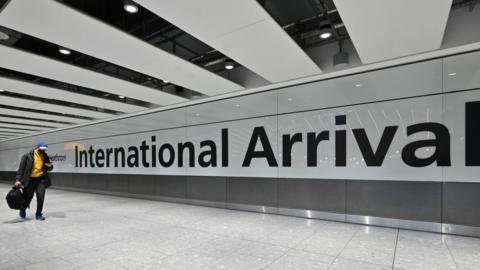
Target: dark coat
column 26, row 166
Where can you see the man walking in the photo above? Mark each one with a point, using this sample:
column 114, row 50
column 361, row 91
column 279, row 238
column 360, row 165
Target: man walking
column 32, row 174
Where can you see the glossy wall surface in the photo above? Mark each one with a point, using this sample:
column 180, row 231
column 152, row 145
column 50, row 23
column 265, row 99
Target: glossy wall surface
column 388, row 192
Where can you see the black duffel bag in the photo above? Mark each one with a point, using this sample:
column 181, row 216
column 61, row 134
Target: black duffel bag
column 15, row 199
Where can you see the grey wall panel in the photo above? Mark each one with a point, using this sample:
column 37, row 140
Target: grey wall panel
column 208, row 188
column 61, row 179
column 395, row 199
column 142, row 184
column 461, row 203
column 312, row 194
column 4, row 176
column 171, row 186
column 97, row 182
column 256, row 191
column 11, row 175
column 117, row 182
column 80, row 180
column 8, row 177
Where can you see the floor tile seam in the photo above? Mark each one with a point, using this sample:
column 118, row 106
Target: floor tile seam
column 277, row 259
column 451, row 254
column 215, row 258
column 237, row 238
column 361, row 261
column 20, row 258
column 254, row 241
column 395, row 251
column 287, row 251
column 304, row 239
column 346, row 244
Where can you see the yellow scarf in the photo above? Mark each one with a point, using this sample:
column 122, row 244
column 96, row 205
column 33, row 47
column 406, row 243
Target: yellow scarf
column 37, row 170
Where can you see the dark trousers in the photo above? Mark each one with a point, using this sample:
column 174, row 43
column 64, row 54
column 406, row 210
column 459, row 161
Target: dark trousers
column 37, row 186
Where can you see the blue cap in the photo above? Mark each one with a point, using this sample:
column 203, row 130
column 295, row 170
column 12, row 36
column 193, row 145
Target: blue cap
column 42, row 145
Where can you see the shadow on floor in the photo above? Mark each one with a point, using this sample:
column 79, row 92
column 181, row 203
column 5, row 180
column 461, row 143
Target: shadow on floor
column 17, row 220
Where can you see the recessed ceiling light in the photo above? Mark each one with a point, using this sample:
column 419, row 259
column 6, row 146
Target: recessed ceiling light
column 358, row 85
column 64, row 51
column 229, row 64
column 130, row 6
column 452, row 74
column 121, row 96
column 325, row 35
column 4, row 36
column 325, row 31
column 289, row 99
column 165, row 81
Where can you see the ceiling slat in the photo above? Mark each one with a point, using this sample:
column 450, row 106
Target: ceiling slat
column 37, row 65
column 30, row 122
column 243, row 31
column 382, row 30
column 25, row 127
column 31, row 89
column 36, row 105
column 75, row 30
column 14, row 131
column 37, row 115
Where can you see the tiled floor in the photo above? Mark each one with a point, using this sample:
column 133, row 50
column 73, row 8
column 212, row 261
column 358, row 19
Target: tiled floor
column 86, row 231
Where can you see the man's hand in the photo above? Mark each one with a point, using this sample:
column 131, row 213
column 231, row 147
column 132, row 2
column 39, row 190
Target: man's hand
column 18, row 184
column 48, row 164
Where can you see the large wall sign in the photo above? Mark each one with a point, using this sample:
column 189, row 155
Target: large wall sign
column 404, row 140
column 390, row 124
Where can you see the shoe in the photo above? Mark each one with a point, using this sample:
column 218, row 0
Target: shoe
column 39, row 217
column 23, row 214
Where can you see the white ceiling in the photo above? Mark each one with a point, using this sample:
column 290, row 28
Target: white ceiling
column 37, row 65
column 32, row 89
column 243, row 31
column 37, row 115
column 30, row 121
column 36, row 105
column 386, row 29
column 72, row 29
column 14, row 131
column 23, row 127
column 240, row 29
